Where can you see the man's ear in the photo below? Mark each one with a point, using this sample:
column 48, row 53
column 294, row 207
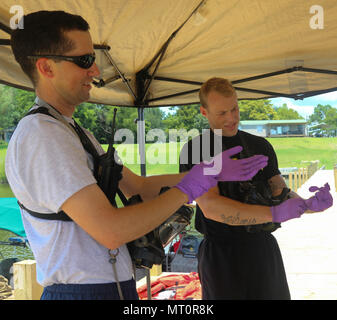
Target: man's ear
column 203, row 111
column 44, row 67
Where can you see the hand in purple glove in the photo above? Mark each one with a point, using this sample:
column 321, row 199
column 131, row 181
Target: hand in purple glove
column 289, row 209
column 322, row 199
column 203, row 176
column 227, row 169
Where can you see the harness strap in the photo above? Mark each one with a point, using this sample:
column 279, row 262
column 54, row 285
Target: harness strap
column 87, row 145
column 61, row 215
column 50, row 111
column 76, row 129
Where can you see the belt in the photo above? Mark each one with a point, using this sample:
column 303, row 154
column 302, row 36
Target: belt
column 264, row 227
column 239, row 234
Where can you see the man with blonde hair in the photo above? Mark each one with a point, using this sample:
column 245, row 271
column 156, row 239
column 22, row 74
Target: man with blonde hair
column 220, row 85
column 239, row 257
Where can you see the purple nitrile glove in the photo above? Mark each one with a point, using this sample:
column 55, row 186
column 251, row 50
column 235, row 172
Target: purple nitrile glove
column 227, row 169
column 321, row 200
column 289, row 209
column 204, row 176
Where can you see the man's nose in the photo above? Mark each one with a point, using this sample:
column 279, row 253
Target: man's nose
column 94, row 70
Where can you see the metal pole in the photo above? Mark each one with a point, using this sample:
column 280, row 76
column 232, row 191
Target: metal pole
column 148, row 284
column 139, row 101
column 141, row 140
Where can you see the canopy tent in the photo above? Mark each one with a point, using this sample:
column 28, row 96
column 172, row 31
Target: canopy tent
column 10, row 216
column 156, row 53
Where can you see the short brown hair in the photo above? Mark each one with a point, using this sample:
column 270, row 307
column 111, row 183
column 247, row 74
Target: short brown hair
column 220, row 85
column 43, row 33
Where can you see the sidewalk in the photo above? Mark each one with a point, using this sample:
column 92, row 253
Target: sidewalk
column 309, row 247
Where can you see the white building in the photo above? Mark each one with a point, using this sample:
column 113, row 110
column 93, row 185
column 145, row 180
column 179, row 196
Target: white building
column 275, row 128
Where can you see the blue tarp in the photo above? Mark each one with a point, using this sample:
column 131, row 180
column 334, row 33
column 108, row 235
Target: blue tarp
column 10, row 216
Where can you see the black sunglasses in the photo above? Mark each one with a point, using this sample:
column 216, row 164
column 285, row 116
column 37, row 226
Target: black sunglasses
column 85, row 61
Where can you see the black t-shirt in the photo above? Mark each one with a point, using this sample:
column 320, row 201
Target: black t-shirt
column 205, row 146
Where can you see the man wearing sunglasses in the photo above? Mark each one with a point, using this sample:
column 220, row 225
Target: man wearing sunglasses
column 74, row 232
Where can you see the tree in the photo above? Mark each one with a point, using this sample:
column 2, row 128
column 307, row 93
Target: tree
column 320, row 113
column 86, row 115
column 257, row 110
column 182, row 118
column 331, row 122
column 98, row 118
column 325, row 118
column 184, row 122
column 284, row 113
column 14, row 104
column 201, row 122
column 153, row 118
column 125, row 119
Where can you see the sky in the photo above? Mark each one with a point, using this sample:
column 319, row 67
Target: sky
column 306, row 106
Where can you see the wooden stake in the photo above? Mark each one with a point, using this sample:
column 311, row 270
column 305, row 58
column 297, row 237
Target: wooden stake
column 156, row 270
column 290, row 182
column 25, row 284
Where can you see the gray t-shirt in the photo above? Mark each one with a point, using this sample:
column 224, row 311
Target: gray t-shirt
column 45, row 165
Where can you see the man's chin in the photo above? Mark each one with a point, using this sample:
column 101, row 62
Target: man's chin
column 84, row 97
column 230, row 133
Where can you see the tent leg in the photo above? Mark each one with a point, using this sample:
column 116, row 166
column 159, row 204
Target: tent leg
column 141, row 140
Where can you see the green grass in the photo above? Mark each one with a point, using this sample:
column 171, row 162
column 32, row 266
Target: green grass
column 3, row 150
column 163, row 158
column 291, row 152
column 160, row 157
column 296, row 152
column 5, row 191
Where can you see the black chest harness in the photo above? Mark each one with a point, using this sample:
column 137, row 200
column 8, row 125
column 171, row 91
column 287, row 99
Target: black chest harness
column 255, row 191
column 107, row 171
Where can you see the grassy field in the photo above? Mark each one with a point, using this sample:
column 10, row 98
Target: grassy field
column 296, row 152
column 163, row 158
column 160, row 158
column 291, row 152
column 3, row 149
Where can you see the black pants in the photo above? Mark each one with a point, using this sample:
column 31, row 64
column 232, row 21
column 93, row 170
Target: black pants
column 246, row 266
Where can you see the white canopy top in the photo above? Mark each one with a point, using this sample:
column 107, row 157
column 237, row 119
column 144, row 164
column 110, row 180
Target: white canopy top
column 194, row 40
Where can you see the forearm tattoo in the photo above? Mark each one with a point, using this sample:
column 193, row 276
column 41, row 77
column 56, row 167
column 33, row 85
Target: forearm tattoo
column 237, row 220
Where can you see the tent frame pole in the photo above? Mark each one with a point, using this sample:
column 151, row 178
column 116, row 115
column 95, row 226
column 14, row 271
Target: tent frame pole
column 296, row 96
column 141, row 140
column 5, row 28
column 139, row 102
